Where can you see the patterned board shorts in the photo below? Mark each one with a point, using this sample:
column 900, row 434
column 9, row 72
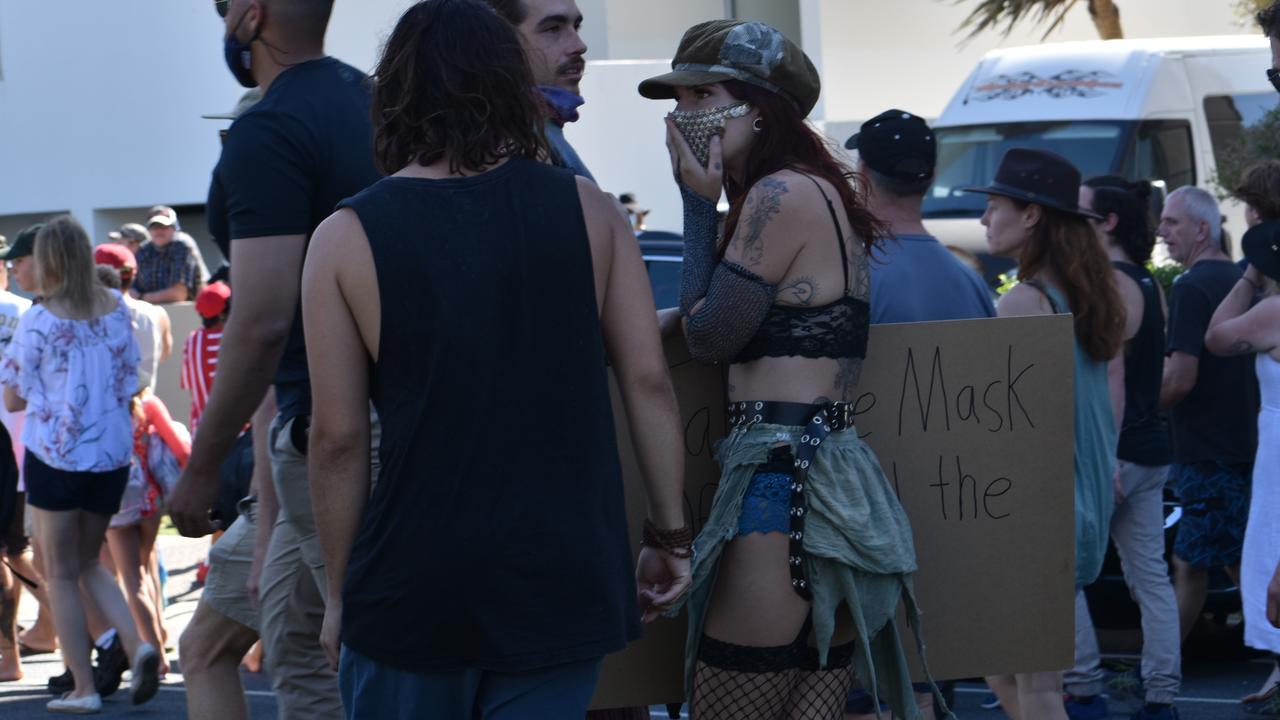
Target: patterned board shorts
column 1215, row 510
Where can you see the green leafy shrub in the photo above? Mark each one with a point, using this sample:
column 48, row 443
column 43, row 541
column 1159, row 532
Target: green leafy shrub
column 1165, row 273
column 1259, row 141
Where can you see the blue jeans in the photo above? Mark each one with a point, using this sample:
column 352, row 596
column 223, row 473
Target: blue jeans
column 371, row 690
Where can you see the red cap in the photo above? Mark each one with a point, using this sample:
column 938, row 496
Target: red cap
column 212, row 300
column 116, row 255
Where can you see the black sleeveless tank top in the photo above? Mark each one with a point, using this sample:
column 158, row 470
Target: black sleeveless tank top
column 495, row 537
column 837, row 329
column 1144, row 434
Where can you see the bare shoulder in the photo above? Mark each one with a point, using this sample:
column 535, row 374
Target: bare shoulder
column 594, row 200
column 332, row 237
column 1023, row 300
column 1127, row 286
column 782, row 202
column 789, row 190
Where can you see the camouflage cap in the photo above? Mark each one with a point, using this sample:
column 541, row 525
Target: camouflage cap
column 752, row 52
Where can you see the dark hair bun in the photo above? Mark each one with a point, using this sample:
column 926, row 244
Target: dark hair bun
column 1141, row 189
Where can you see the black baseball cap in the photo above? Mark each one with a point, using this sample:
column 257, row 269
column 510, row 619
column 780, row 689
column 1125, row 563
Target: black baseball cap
column 24, row 244
column 896, row 144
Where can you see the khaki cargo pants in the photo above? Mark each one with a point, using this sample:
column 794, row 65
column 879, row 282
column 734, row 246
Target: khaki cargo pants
column 293, row 588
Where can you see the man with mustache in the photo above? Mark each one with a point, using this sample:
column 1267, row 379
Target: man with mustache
column 548, row 30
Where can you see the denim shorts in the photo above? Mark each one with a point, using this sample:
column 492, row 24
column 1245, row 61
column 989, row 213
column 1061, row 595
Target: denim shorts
column 61, row 490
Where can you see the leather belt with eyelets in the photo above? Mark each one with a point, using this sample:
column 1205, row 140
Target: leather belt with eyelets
column 819, row 421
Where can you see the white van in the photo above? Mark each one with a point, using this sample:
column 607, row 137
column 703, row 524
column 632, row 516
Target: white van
column 1155, row 109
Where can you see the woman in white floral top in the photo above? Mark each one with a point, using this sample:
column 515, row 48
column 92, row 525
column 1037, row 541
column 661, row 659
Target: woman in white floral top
column 73, row 365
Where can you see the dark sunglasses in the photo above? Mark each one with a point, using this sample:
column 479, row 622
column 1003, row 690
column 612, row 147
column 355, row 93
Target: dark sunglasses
column 1274, row 76
column 221, row 6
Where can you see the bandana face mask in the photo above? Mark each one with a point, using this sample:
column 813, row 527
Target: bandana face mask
column 699, row 126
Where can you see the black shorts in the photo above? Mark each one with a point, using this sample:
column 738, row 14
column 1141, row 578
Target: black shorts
column 60, row 490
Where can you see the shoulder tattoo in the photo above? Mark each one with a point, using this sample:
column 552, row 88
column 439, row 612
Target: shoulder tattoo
column 762, row 211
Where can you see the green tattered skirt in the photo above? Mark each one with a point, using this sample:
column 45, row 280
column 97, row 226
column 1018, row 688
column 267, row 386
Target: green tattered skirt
column 857, row 552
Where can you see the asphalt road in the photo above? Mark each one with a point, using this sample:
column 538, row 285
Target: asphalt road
column 1216, row 672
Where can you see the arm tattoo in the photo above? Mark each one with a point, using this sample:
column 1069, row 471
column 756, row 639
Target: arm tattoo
column 1242, row 347
column 768, row 205
column 850, row 369
column 800, row 291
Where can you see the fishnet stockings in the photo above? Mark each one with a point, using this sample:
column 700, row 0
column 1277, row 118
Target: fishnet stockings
column 735, row 682
column 820, row 694
column 720, row 694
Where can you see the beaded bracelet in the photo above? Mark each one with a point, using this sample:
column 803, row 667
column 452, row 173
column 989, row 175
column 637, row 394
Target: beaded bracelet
column 677, row 543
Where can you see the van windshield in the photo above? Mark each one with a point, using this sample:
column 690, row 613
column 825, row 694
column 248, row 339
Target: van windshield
column 968, row 156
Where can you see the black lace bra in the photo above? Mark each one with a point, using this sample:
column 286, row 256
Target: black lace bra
column 836, row 330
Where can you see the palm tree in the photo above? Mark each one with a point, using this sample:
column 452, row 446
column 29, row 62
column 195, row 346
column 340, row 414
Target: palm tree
column 992, row 13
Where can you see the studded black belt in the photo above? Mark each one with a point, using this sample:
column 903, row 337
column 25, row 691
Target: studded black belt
column 819, row 420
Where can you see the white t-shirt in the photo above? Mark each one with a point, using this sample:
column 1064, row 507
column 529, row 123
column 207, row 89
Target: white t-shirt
column 77, row 377
column 146, row 331
column 11, row 309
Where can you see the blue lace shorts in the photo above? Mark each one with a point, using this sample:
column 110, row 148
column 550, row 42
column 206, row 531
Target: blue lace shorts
column 766, row 507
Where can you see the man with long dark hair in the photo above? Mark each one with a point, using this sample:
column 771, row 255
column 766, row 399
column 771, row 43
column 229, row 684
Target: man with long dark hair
column 475, row 295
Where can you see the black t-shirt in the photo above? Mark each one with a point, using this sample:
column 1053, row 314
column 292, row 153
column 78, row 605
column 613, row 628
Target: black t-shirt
column 1218, row 420
column 495, row 538
column 286, row 163
column 1144, row 434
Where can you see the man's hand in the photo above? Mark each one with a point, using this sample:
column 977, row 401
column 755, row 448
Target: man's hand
column 1116, row 485
column 331, row 631
column 192, row 498
column 661, row 579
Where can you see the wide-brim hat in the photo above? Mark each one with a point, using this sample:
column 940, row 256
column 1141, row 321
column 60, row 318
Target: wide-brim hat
column 719, row 50
column 1261, row 245
column 1040, row 177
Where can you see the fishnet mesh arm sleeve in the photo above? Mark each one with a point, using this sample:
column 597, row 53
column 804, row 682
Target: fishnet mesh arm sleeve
column 736, row 303
column 701, row 230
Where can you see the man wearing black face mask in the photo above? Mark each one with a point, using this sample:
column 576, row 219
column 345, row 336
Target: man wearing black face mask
column 286, row 162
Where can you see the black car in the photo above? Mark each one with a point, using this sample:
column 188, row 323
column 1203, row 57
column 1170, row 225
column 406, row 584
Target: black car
column 662, row 252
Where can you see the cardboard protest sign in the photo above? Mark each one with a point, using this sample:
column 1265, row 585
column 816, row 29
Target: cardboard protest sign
column 973, row 424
